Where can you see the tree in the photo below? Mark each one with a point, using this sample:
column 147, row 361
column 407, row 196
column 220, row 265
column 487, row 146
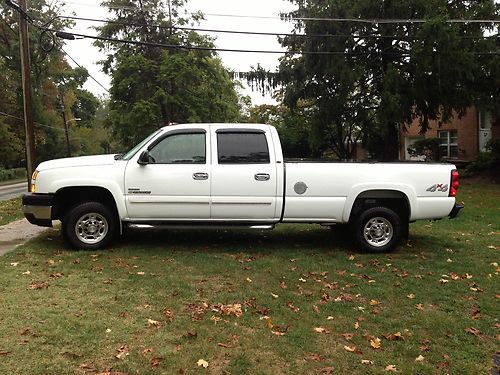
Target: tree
column 152, row 87
column 49, row 72
column 369, row 80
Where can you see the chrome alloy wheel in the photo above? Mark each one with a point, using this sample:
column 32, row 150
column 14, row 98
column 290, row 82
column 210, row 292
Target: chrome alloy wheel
column 91, row 228
column 378, row 231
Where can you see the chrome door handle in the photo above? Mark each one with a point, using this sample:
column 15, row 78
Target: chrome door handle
column 200, row 176
column 262, row 177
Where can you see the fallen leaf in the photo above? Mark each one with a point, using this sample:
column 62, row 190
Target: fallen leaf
column 27, row 273
column 313, row 357
column 420, row 358
column 14, row 264
column 375, row 343
column 223, row 345
column 140, row 273
column 356, row 325
column 443, row 281
column 411, row 296
column 394, row 336
column 108, row 330
column 329, row 317
column 348, row 348
column 348, row 336
column 153, row 323
column 374, row 302
column 321, row 330
column 274, row 295
column 155, row 362
column 419, row 306
column 122, row 352
column 292, row 307
column 4, row 352
column 327, row 370
column 202, row 363
column 168, row 314
column 248, row 280
column 278, row 333
column 473, row 331
column 391, row 368
column 366, row 362
column 302, row 280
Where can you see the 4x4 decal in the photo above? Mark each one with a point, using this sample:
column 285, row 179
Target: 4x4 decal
column 438, row 187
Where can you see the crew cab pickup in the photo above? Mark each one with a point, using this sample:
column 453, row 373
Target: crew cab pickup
column 233, row 175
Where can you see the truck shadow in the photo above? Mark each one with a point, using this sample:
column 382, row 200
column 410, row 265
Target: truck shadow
column 284, row 238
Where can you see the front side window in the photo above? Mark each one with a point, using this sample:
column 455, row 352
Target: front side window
column 180, row 149
column 242, row 148
column 448, row 143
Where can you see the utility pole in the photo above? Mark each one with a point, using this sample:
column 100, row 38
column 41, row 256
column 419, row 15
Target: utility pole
column 63, row 110
column 27, row 102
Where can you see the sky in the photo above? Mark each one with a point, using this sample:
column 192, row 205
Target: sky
column 87, row 55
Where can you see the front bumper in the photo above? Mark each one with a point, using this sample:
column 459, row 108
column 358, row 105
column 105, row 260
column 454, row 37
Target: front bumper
column 37, row 208
column 456, row 210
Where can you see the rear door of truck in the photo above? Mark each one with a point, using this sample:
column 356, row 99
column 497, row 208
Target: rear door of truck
column 244, row 174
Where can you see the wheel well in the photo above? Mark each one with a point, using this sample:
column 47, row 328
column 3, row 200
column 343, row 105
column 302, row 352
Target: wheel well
column 68, row 197
column 393, row 199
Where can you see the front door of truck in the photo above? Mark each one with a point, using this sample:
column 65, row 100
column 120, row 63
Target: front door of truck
column 175, row 182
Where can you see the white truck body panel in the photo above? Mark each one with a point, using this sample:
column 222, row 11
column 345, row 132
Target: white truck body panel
column 232, row 193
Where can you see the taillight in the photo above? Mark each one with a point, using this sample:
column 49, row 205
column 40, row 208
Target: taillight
column 454, row 183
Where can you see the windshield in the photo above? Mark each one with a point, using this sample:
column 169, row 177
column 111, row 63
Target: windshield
column 133, row 151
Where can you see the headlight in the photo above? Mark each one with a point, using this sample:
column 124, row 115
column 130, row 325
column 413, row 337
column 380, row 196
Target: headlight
column 33, row 181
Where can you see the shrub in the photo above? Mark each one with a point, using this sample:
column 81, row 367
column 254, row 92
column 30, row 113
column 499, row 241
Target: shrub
column 488, row 160
column 12, row 174
column 427, row 147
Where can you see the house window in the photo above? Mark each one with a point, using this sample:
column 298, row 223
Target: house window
column 448, row 143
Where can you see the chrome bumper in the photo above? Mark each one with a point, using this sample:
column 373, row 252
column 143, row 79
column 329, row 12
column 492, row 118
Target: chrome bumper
column 37, row 209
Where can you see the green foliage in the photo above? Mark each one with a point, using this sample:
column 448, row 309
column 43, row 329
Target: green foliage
column 426, row 147
column 489, row 160
column 12, row 174
column 383, row 76
column 153, row 87
column 51, row 78
column 293, row 127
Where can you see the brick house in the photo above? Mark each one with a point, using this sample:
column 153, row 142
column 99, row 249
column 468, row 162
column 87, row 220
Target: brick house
column 461, row 139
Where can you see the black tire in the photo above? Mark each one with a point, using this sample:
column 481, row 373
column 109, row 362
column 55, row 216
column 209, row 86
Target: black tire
column 89, row 226
column 378, row 230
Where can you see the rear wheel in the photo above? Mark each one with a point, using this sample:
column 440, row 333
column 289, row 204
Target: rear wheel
column 378, row 229
column 89, row 226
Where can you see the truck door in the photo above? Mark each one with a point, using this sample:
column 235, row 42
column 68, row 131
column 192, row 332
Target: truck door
column 175, row 184
column 243, row 181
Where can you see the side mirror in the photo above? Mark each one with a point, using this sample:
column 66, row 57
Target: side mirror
column 144, row 158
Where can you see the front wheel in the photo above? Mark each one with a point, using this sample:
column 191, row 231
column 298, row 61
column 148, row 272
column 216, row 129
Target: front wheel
column 89, row 226
column 378, row 229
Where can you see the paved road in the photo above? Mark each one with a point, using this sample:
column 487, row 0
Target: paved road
column 13, row 190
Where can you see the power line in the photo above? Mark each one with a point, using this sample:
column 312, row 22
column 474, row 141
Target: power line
column 221, row 31
column 286, row 17
column 354, row 20
column 37, row 124
column 71, row 35
column 90, row 75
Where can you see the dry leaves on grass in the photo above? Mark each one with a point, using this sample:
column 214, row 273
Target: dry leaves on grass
column 122, row 352
column 391, row 368
column 153, row 323
column 375, row 343
column 420, row 358
column 321, row 330
column 202, row 363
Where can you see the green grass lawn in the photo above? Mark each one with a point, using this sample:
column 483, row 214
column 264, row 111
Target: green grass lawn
column 10, row 210
column 298, row 299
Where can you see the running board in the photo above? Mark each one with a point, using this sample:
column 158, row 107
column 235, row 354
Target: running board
column 201, row 226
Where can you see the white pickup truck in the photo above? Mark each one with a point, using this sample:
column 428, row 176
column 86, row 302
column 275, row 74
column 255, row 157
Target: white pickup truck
column 233, row 175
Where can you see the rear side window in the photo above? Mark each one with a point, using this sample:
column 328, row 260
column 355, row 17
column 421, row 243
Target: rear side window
column 242, row 148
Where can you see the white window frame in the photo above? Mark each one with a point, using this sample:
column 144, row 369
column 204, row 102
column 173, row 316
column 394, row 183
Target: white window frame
column 448, row 143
